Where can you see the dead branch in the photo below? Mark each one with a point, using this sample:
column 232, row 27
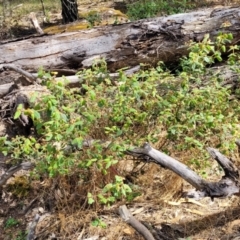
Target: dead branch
column 9, row 173
column 71, row 81
column 230, row 170
column 130, row 219
column 26, row 209
column 35, row 23
column 28, row 75
column 227, row 186
column 150, row 154
column 32, row 229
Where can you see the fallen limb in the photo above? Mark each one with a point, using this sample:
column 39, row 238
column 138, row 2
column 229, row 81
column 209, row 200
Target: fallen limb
column 26, row 74
column 71, row 81
column 230, row 170
column 35, row 23
column 9, row 173
column 227, row 186
column 32, row 229
column 130, row 219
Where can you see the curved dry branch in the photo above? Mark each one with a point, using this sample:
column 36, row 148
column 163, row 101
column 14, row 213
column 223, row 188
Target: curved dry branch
column 128, row 217
column 18, row 70
column 168, row 162
column 227, row 186
column 230, row 170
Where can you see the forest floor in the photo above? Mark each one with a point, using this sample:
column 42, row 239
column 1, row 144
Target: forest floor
column 159, row 206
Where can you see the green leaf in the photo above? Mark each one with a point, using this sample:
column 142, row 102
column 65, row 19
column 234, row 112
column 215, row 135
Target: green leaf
column 95, row 223
column 18, row 112
column 49, row 136
column 36, row 115
column 90, row 198
column 5, row 153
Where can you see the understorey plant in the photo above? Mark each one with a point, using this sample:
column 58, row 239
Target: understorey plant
column 83, row 133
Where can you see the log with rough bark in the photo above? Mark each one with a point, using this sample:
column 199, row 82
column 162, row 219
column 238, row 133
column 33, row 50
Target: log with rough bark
column 145, row 41
column 227, row 186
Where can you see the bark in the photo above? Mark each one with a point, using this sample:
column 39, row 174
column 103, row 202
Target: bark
column 145, row 41
column 227, row 186
column 69, row 11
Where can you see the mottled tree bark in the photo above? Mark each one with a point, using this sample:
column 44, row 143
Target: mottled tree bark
column 145, row 41
column 69, row 11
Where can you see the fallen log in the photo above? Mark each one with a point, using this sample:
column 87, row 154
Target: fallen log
column 145, row 41
column 227, row 186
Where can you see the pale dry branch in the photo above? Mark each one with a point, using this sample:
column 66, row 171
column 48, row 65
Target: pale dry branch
column 130, row 219
column 227, row 186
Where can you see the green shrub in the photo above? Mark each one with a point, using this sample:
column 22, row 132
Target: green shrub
column 192, row 108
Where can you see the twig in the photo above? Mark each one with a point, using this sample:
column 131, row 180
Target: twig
column 43, row 8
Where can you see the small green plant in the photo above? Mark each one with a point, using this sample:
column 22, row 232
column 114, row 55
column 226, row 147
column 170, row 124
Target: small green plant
column 93, row 18
column 114, row 191
column 99, row 223
column 11, row 222
column 192, row 108
column 22, row 235
column 205, row 53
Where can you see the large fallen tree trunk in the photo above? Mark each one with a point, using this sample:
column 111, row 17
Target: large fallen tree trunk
column 227, row 186
column 144, row 41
